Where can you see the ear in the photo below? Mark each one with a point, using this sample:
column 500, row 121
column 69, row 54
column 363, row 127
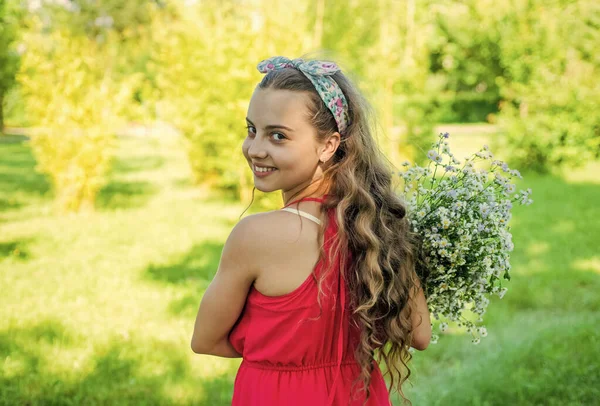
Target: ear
column 329, row 147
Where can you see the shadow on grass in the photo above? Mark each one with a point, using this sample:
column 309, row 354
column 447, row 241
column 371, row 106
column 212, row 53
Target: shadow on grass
column 15, row 249
column 128, row 194
column 139, row 371
column 183, row 183
column 17, row 173
column 10, row 204
column 534, row 360
column 13, row 138
column 219, row 390
column 193, row 272
column 199, row 266
column 137, row 164
column 124, row 195
column 186, row 307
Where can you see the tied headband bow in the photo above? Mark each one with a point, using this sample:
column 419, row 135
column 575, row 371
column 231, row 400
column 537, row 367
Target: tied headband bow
column 319, row 73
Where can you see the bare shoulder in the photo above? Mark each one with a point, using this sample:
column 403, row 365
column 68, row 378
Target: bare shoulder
column 252, row 232
column 257, row 231
column 268, row 224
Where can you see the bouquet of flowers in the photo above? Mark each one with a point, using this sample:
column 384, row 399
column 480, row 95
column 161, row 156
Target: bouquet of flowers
column 460, row 214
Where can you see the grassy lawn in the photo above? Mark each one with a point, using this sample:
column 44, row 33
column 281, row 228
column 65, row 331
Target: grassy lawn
column 99, row 308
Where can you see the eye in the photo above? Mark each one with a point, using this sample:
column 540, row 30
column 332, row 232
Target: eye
column 251, row 129
column 278, row 139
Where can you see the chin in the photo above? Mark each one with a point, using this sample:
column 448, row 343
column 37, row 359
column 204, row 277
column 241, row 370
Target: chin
column 264, row 188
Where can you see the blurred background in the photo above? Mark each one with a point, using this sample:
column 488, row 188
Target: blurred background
column 121, row 175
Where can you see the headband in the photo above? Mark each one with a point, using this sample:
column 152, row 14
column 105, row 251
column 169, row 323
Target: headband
column 319, row 73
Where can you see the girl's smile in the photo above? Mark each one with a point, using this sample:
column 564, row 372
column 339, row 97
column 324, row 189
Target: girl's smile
column 262, row 171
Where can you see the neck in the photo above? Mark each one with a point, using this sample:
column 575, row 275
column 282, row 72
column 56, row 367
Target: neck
column 315, row 189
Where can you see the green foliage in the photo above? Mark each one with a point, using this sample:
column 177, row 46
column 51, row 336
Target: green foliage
column 9, row 58
column 91, row 18
column 419, row 63
column 535, row 60
column 111, row 23
column 205, row 81
column 465, row 59
column 395, row 64
column 76, row 164
column 77, row 115
column 466, row 55
column 551, row 97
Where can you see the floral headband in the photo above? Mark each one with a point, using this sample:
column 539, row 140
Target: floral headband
column 319, row 73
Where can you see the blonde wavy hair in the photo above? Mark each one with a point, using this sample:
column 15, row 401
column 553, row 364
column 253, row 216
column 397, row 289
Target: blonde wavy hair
column 373, row 229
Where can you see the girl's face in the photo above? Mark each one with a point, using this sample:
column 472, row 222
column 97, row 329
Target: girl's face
column 281, row 146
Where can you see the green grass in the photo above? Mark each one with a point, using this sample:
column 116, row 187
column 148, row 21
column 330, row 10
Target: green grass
column 99, row 308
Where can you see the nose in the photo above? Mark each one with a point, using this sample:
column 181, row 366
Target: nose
column 256, row 148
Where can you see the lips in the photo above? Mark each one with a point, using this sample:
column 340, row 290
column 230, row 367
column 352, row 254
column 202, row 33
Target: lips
column 262, row 171
column 257, row 167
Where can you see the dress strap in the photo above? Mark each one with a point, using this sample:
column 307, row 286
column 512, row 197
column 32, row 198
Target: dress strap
column 303, row 214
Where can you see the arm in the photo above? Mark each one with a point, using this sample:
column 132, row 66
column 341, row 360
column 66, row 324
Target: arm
column 225, row 297
column 223, row 349
column 420, row 320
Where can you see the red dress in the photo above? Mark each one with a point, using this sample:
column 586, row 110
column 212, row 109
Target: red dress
column 291, row 360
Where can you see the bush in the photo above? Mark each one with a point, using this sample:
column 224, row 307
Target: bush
column 76, row 164
column 550, row 112
column 74, row 101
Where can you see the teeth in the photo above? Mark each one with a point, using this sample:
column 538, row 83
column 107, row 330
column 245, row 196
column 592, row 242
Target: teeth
column 259, row 169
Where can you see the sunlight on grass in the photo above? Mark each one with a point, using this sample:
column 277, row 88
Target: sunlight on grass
column 590, row 264
column 100, row 307
column 587, row 174
column 538, row 248
column 111, row 278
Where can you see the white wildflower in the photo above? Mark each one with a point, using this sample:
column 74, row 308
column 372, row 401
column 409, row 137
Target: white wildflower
column 433, row 155
column 462, row 219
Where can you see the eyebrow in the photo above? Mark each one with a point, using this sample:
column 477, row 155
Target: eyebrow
column 272, row 126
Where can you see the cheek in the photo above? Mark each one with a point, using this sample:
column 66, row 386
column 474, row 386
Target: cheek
column 245, row 147
column 299, row 162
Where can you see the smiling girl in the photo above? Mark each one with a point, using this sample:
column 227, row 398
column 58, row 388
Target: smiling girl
column 316, row 295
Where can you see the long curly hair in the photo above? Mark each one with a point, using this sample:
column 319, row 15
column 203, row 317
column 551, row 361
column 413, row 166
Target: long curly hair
column 373, row 229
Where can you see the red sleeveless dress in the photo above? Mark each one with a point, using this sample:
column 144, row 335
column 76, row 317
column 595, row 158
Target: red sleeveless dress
column 291, row 360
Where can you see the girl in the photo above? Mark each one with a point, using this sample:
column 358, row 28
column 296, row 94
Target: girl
column 308, row 294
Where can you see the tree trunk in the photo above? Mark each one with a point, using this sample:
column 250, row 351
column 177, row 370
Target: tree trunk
column 318, row 35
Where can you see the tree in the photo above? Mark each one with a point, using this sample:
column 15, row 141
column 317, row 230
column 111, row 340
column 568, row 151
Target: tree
column 77, row 115
column 551, row 100
column 205, row 62
column 386, row 49
column 9, row 58
column 466, row 57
